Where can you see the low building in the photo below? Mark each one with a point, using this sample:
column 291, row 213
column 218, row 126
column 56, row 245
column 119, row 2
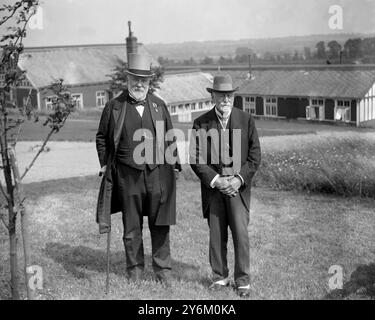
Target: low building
column 85, row 71
column 83, row 68
column 185, row 94
column 344, row 95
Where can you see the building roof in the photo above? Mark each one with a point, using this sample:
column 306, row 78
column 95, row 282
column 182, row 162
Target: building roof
column 238, row 77
column 310, row 83
column 185, row 87
column 82, row 64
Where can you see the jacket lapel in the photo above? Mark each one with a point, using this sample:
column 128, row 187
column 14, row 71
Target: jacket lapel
column 235, row 120
column 213, row 147
column 156, row 112
column 118, row 112
column 238, row 140
column 213, row 121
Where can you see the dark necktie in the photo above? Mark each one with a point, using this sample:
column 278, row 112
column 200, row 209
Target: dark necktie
column 223, row 120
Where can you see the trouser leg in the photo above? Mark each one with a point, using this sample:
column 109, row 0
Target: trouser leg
column 238, row 219
column 132, row 193
column 161, row 255
column 218, row 226
column 133, row 244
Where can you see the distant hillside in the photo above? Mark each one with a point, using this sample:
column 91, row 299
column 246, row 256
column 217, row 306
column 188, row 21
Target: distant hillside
column 199, row 50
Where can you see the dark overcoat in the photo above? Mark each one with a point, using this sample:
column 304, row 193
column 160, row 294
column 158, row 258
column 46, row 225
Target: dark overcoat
column 250, row 155
column 107, row 140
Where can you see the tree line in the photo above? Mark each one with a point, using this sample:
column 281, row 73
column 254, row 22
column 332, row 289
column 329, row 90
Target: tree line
column 352, row 51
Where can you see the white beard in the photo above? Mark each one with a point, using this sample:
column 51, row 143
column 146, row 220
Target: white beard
column 225, row 111
column 137, row 95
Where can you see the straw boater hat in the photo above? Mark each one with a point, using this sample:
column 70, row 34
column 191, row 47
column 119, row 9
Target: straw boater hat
column 222, row 84
column 139, row 65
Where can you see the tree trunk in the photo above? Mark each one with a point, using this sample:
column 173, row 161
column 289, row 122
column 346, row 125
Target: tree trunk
column 25, row 223
column 12, row 215
column 13, row 255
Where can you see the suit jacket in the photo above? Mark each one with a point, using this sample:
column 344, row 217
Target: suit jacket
column 250, row 154
column 107, row 141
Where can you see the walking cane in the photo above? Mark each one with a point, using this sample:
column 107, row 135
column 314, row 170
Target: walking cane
column 108, row 254
column 108, row 261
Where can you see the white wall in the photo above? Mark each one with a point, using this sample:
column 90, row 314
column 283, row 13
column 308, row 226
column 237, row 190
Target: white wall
column 367, row 106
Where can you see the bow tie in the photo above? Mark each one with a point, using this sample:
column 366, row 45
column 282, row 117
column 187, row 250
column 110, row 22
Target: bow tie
column 139, row 105
column 134, row 102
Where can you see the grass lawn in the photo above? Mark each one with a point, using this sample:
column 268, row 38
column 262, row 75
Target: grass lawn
column 295, row 238
column 85, row 129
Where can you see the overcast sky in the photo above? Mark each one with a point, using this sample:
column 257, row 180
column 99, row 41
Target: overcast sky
column 170, row 21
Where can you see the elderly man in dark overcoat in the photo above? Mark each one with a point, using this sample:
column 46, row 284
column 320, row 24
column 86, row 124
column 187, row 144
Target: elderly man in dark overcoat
column 225, row 154
column 137, row 178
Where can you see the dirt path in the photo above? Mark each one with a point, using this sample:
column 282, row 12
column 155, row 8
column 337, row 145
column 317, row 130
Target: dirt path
column 75, row 159
column 61, row 160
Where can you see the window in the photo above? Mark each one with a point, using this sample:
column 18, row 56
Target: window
column 101, row 98
column 250, row 105
column 49, row 102
column 207, row 104
column 173, row 109
column 77, row 98
column 187, row 107
column 315, row 111
column 270, row 107
column 200, row 105
column 343, row 103
column 24, row 83
column 193, row 106
column 342, row 110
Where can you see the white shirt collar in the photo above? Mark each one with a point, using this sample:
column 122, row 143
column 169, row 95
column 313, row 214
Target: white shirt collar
column 220, row 118
column 219, row 115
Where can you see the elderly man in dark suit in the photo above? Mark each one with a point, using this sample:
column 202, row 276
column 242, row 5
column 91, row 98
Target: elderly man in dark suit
column 225, row 154
column 137, row 181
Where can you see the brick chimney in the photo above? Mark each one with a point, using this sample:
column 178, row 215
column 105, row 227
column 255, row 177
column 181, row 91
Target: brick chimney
column 131, row 42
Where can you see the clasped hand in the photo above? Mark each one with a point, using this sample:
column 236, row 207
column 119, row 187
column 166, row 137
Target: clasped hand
column 228, row 185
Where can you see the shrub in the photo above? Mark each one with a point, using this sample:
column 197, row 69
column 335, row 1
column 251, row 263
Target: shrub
column 335, row 165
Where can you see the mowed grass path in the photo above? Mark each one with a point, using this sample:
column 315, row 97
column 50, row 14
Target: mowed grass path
column 85, row 129
column 295, row 238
